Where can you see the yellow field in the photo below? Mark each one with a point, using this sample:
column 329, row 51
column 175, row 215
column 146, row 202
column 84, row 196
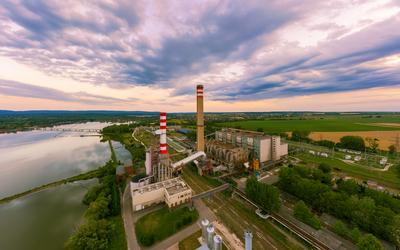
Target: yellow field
column 386, row 138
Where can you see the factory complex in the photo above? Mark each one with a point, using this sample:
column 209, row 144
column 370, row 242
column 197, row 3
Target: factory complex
column 229, row 150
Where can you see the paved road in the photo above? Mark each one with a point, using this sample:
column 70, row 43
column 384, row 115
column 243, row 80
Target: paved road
column 127, row 216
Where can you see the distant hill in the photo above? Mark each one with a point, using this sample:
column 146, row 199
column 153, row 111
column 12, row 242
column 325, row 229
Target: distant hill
column 73, row 112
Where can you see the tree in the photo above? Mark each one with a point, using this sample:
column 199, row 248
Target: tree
column 263, row 194
column 326, row 168
column 373, row 143
column 369, row 242
column 326, row 143
column 95, row 235
column 352, row 142
column 300, row 135
column 303, row 213
column 392, row 149
column 98, row 209
column 340, row 228
column 260, row 130
column 355, row 234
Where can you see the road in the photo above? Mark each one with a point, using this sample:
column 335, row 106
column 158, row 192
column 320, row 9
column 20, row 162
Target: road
column 127, row 216
column 130, row 218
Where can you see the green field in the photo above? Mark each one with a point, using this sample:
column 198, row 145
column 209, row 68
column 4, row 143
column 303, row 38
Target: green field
column 190, row 242
column 161, row 224
column 387, row 178
column 319, row 124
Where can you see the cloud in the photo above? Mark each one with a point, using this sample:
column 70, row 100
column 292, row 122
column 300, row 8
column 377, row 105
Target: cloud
column 239, row 52
column 13, row 88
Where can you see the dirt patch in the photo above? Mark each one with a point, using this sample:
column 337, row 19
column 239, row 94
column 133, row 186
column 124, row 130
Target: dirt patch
column 396, row 125
column 386, row 138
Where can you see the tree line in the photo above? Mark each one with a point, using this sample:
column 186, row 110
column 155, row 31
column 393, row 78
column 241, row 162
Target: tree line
column 365, row 208
column 103, row 201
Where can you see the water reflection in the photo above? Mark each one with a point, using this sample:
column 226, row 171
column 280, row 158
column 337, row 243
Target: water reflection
column 43, row 220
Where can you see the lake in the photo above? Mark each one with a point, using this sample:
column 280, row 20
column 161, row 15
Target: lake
column 44, row 220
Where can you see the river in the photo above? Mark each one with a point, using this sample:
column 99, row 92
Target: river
column 44, row 220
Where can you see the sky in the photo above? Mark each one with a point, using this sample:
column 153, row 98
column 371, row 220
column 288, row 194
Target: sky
column 283, row 55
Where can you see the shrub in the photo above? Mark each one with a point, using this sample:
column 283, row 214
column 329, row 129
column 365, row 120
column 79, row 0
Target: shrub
column 369, row 242
column 326, row 168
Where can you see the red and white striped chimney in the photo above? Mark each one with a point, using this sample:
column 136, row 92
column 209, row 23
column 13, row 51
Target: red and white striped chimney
column 163, row 133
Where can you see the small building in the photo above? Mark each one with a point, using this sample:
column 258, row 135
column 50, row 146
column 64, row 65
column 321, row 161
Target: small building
column 347, row 157
column 357, row 158
column 173, row 192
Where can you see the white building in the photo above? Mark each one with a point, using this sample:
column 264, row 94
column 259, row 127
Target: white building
column 173, row 192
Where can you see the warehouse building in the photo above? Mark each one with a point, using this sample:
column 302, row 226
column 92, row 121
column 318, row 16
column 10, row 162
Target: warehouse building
column 173, row 192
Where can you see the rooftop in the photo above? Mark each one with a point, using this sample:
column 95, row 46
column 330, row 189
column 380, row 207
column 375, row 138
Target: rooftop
column 172, row 186
column 248, row 133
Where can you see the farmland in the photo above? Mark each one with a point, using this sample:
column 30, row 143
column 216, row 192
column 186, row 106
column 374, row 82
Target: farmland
column 319, row 124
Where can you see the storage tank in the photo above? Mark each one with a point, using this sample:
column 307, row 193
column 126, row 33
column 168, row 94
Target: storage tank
column 210, row 236
column 248, row 238
column 217, row 242
column 204, row 225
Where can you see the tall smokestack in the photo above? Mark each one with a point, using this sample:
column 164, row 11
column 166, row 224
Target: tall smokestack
column 200, row 118
column 163, row 133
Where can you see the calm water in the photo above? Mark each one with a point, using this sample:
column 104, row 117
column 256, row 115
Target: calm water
column 43, row 220
column 34, row 158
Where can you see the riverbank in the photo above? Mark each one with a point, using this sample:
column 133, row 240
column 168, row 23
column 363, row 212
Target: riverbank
column 85, row 176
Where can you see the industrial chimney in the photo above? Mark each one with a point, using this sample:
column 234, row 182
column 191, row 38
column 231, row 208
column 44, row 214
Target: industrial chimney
column 200, row 118
column 163, row 133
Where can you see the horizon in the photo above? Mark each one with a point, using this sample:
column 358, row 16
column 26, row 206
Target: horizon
column 330, row 56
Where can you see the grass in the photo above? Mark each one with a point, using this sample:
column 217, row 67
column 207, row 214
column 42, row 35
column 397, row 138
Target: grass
column 327, row 124
column 388, row 178
column 161, row 224
column 118, row 241
column 190, row 242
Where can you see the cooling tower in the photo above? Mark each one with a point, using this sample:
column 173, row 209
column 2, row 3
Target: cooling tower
column 200, row 118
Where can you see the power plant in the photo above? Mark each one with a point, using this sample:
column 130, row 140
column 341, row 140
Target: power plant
column 229, row 150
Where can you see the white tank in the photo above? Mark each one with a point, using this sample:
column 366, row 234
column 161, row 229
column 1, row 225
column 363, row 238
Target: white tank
column 210, row 236
column 248, row 238
column 217, row 242
column 204, row 225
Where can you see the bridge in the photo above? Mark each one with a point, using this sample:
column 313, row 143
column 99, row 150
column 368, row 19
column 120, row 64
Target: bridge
column 211, row 191
column 84, row 130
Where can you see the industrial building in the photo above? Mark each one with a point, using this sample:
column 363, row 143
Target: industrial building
column 231, row 146
column 173, row 192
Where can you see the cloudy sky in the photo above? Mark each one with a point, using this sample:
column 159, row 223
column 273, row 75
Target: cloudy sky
column 250, row 55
